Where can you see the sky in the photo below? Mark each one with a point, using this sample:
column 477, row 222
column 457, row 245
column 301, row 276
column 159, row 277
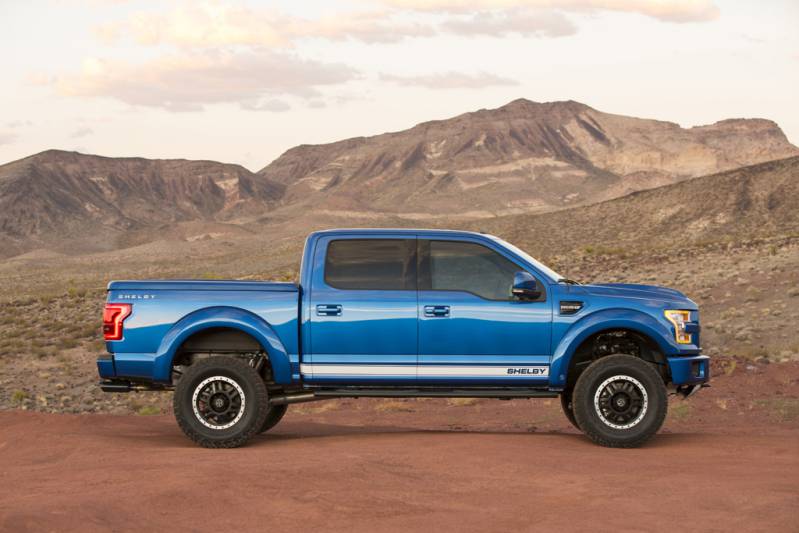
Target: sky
column 241, row 82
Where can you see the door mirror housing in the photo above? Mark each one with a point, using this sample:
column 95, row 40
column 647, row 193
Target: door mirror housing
column 525, row 286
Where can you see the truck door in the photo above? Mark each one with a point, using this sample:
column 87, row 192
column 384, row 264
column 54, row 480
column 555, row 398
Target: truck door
column 363, row 311
column 472, row 330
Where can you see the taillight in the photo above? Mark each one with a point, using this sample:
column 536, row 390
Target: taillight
column 113, row 317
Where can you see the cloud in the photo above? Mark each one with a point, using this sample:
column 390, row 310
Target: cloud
column 369, row 27
column 208, row 25
column 666, row 10
column 274, row 105
column 215, row 24
column 536, row 23
column 19, row 124
column 188, row 82
column 81, row 132
column 7, row 137
column 450, row 80
column 108, row 33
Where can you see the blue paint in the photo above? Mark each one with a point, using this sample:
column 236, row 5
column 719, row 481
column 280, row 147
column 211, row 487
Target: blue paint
column 421, row 330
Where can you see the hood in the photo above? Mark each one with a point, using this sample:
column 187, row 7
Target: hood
column 648, row 292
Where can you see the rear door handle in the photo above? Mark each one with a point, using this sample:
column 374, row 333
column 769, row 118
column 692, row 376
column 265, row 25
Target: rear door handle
column 328, row 310
column 436, row 311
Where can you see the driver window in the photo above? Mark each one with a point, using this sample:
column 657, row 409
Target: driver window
column 470, row 267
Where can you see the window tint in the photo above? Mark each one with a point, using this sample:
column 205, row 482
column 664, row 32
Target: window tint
column 387, row 264
column 465, row 266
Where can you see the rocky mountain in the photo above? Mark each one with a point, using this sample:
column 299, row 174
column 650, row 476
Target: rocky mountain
column 754, row 202
column 522, row 157
column 57, row 197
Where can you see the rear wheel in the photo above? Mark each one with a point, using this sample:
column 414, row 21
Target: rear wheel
column 620, row 401
column 273, row 416
column 220, row 402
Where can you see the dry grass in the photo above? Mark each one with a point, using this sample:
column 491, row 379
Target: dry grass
column 394, row 406
column 680, row 411
column 462, row 402
column 784, row 409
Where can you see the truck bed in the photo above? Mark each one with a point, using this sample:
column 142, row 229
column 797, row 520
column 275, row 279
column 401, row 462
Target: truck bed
column 166, row 313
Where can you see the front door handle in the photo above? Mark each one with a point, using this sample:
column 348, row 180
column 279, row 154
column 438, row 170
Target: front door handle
column 436, row 311
column 328, row 310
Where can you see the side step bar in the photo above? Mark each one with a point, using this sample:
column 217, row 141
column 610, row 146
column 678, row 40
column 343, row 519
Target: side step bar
column 504, row 394
column 422, row 393
column 301, row 396
column 127, row 386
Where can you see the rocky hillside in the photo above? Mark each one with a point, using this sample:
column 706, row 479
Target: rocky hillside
column 55, row 197
column 759, row 201
column 522, row 157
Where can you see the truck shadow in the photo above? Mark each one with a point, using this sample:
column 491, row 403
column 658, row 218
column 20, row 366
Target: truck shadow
column 167, row 436
column 328, row 431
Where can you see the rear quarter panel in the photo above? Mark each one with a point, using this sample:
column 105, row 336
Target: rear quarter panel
column 157, row 312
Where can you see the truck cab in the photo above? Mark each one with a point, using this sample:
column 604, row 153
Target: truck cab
column 404, row 312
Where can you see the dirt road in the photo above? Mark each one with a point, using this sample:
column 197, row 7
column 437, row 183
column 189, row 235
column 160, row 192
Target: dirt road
column 101, row 472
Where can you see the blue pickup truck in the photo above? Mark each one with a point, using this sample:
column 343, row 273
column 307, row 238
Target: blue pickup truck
column 404, row 313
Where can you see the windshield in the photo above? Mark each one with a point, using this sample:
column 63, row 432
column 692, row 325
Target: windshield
column 554, row 276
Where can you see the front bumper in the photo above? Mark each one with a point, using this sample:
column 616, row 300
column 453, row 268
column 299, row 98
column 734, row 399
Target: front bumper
column 689, row 370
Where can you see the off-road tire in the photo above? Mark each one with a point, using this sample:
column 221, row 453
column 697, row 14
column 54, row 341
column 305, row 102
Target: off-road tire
column 255, row 404
column 566, row 402
column 587, row 407
column 273, row 416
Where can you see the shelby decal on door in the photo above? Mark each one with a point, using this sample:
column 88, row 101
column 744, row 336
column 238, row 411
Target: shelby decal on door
column 534, row 371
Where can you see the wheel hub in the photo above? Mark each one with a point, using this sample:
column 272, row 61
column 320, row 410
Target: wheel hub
column 621, row 402
column 218, row 402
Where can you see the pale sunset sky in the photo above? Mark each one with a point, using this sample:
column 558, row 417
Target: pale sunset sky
column 241, row 82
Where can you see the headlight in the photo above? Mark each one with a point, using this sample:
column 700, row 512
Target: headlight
column 679, row 318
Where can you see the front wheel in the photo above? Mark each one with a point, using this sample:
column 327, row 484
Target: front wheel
column 567, row 405
column 620, row 401
column 220, row 402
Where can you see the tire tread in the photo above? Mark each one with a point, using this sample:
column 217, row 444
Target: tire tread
column 261, row 402
column 582, row 392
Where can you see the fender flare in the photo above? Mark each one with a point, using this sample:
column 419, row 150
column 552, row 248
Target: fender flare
column 605, row 319
column 222, row 317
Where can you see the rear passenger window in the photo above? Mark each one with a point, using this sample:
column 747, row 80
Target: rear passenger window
column 371, row 264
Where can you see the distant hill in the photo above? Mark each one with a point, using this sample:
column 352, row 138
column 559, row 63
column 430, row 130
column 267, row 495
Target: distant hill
column 56, row 197
column 755, row 201
column 522, row 157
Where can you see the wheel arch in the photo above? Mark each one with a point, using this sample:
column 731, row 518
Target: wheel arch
column 222, row 318
column 606, row 321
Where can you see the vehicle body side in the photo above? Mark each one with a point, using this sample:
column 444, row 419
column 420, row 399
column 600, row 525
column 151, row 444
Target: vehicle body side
column 281, row 317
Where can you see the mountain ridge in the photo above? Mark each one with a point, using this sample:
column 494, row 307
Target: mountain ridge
column 756, row 201
column 521, row 157
column 53, row 195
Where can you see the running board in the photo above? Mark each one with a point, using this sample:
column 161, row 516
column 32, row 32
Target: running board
column 505, row 394
column 113, row 385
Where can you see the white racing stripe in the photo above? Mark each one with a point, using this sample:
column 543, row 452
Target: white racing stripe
column 425, row 370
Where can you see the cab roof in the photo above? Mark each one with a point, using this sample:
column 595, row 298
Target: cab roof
column 396, row 231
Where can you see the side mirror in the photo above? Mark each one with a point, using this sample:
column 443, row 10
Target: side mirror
column 525, row 286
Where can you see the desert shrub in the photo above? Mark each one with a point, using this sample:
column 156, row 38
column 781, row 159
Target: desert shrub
column 19, row 396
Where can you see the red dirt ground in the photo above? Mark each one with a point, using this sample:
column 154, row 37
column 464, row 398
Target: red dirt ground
column 102, row 472
column 726, row 459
